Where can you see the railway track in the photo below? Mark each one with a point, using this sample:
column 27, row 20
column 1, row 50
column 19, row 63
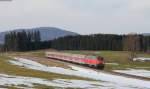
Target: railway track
column 103, row 71
column 114, row 73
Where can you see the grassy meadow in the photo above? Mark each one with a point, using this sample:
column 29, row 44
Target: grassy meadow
column 114, row 60
column 9, row 69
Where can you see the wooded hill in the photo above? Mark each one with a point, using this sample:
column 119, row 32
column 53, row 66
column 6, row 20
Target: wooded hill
column 47, row 33
column 24, row 41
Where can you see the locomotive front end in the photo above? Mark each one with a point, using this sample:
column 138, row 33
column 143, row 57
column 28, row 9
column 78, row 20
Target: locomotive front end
column 101, row 63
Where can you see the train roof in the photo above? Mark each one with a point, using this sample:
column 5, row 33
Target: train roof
column 67, row 54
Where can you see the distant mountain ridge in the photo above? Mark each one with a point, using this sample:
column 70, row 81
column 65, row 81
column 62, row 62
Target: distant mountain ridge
column 47, row 33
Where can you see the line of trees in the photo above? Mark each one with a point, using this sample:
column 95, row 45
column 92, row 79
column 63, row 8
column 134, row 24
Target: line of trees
column 89, row 42
column 24, row 41
column 130, row 42
column 134, row 42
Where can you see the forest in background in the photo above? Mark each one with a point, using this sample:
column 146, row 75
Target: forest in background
column 130, row 42
column 26, row 41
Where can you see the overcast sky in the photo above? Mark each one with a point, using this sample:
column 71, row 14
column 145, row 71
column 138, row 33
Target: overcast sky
column 82, row 16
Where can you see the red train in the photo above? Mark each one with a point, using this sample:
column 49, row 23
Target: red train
column 91, row 61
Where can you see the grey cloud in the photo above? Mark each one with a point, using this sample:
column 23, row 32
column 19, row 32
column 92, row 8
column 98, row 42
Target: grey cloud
column 82, row 16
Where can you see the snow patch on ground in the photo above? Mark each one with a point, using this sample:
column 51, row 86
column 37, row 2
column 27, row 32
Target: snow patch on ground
column 141, row 59
column 142, row 67
column 137, row 72
column 117, row 80
column 37, row 66
column 28, row 82
column 116, row 64
column 106, row 80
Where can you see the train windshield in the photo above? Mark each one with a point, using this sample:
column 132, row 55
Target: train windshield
column 92, row 57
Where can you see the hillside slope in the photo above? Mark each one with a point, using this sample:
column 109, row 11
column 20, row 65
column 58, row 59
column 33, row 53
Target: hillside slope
column 47, row 33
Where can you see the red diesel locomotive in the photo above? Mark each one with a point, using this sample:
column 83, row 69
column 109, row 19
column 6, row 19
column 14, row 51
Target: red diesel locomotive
column 91, row 61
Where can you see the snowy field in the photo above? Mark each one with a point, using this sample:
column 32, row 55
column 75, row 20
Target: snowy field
column 102, row 80
column 28, row 82
column 137, row 72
